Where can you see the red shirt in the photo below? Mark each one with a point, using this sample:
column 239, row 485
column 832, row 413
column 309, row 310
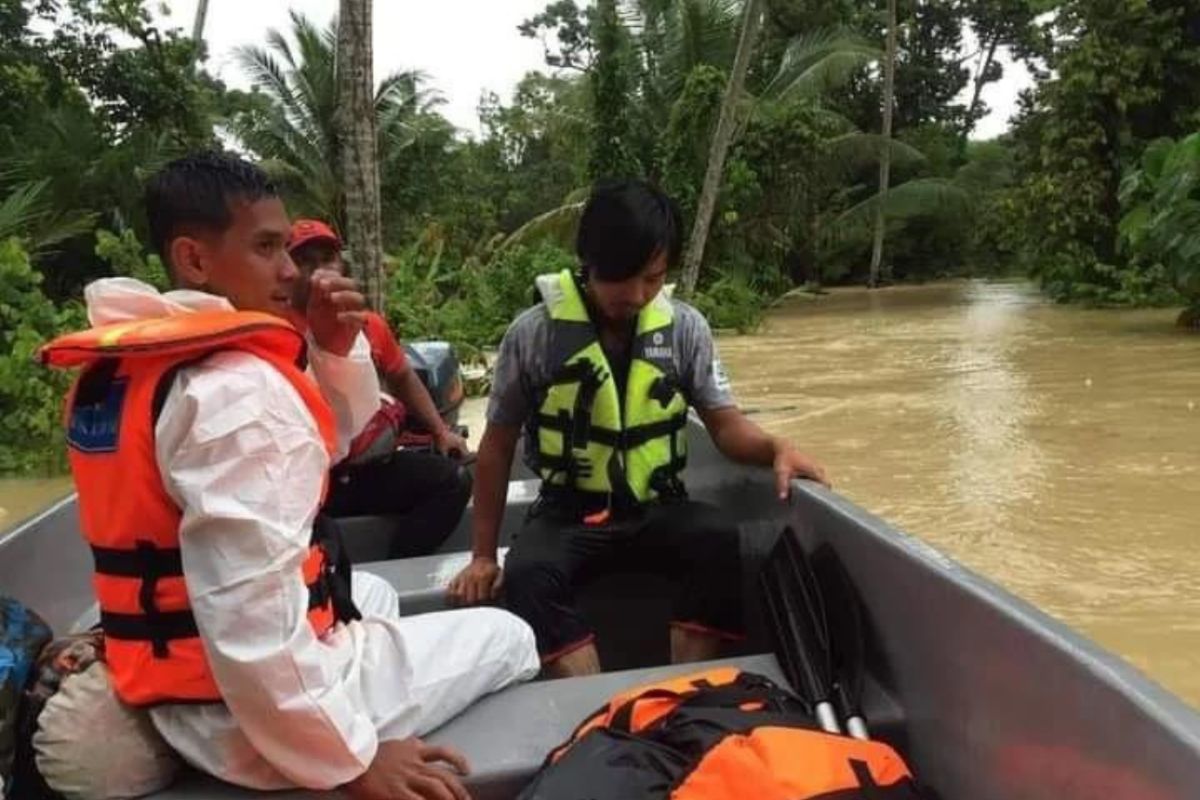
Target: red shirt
column 386, row 352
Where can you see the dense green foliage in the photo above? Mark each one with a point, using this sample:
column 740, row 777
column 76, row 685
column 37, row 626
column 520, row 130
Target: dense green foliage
column 294, row 131
column 1160, row 230
column 1127, row 73
column 475, row 301
column 86, row 112
column 612, row 145
column 1084, row 193
column 30, row 395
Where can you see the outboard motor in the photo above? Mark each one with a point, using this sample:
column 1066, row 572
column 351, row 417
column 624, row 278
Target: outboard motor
column 438, row 367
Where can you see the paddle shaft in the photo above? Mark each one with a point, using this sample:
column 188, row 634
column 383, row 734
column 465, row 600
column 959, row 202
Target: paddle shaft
column 809, row 677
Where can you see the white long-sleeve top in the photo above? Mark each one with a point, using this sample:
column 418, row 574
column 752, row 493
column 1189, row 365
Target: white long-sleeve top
column 241, row 456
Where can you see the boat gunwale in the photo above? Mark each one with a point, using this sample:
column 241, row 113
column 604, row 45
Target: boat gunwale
column 30, row 522
column 1158, row 703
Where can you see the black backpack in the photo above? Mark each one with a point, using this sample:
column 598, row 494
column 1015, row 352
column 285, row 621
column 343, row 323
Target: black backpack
column 23, row 634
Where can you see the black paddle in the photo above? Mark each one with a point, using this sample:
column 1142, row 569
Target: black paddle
column 794, row 605
column 819, row 631
column 847, row 642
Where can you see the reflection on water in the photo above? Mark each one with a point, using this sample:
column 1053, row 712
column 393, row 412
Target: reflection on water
column 986, row 405
column 1054, row 449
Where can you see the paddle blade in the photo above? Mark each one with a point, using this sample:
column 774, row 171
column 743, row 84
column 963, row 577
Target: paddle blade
column 810, row 596
column 796, row 624
column 847, row 642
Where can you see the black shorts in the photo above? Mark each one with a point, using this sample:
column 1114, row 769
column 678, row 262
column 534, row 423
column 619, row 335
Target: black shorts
column 692, row 542
column 427, row 490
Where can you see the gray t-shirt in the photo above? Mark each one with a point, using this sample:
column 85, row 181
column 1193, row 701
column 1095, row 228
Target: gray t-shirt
column 522, row 368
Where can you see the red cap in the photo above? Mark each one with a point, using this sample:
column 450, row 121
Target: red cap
column 311, row 230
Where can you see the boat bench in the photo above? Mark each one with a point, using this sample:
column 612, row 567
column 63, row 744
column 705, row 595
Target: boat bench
column 506, row 736
column 421, row 582
column 607, row 602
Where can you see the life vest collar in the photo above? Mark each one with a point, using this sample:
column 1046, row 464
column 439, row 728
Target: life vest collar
column 175, row 335
column 564, row 298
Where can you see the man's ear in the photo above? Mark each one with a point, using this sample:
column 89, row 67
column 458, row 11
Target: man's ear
column 189, row 261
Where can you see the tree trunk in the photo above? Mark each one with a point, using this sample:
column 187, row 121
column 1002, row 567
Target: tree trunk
column 973, row 109
column 198, row 26
column 814, row 233
column 722, row 138
column 359, row 165
column 885, row 155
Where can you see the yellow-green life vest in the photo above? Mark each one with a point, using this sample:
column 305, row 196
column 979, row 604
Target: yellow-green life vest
column 578, row 436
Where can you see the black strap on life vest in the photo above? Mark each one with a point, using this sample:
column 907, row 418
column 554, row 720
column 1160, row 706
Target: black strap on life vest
column 626, row 440
column 664, row 390
column 151, row 564
column 575, row 425
column 574, row 467
column 581, row 371
column 585, row 400
column 335, row 579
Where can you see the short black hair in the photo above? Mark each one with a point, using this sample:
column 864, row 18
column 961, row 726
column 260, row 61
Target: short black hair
column 193, row 195
column 625, row 224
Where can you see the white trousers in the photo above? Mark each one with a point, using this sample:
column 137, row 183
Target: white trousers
column 412, row 674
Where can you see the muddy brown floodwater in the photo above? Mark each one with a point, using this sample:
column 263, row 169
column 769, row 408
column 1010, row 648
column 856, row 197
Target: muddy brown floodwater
column 21, row 498
column 1053, row 449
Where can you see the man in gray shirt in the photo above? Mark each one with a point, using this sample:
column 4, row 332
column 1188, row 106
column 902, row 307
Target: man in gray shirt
column 599, row 377
column 523, row 364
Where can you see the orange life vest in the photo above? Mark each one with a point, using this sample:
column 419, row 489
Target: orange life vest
column 723, row 734
column 152, row 645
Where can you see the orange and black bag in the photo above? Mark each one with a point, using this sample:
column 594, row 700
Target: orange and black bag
column 722, row 734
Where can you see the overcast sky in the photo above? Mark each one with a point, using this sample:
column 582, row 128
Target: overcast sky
column 465, row 46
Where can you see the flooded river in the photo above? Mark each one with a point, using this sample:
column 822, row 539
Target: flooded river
column 1056, row 450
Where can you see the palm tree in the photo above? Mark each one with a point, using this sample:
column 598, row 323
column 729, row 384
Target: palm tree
column 75, row 180
column 722, row 138
column 697, row 32
column 198, row 24
column 811, row 65
column 293, row 129
column 359, row 165
column 26, row 214
column 679, row 36
column 885, row 163
column 672, row 38
column 911, row 200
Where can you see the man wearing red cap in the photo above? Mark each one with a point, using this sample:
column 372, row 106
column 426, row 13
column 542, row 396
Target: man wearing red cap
column 430, row 491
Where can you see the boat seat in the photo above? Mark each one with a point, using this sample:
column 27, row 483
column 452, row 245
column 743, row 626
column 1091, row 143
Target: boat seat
column 506, row 736
column 421, row 582
column 608, row 602
column 369, row 538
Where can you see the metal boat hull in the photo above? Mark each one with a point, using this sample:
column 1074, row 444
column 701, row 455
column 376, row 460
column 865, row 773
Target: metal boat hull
column 989, row 698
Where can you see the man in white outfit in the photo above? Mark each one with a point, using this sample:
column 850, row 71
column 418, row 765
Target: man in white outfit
column 240, row 454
